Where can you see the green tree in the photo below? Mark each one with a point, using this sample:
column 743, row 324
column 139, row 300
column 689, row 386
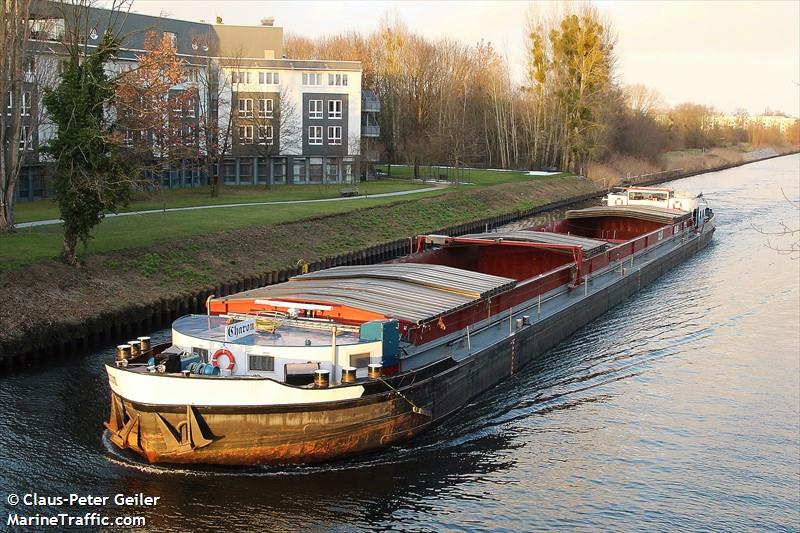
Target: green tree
column 90, row 177
column 583, row 59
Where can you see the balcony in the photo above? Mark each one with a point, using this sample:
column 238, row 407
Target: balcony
column 370, row 102
column 370, row 131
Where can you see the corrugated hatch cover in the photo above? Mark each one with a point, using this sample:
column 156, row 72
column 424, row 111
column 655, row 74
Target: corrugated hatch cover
column 407, row 291
column 661, row 215
column 589, row 246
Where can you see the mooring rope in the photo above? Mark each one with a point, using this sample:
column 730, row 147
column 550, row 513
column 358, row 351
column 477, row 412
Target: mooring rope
column 416, row 409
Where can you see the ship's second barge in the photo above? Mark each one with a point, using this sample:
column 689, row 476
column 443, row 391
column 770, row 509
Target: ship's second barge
column 353, row 359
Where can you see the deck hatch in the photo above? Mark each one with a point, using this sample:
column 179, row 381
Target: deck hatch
column 589, row 246
column 407, row 291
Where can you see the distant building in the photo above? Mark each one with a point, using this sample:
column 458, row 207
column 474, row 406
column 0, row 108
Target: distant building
column 291, row 121
column 780, row 122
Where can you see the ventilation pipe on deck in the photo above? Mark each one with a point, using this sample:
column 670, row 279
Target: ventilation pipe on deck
column 136, row 348
column 374, row 370
column 348, row 374
column 321, row 379
column 145, row 345
column 123, row 354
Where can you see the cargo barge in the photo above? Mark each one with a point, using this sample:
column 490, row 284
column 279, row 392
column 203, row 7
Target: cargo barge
column 353, row 359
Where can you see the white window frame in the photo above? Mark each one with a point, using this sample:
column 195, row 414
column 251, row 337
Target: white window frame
column 268, row 78
column 240, row 76
column 312, row 79
column 334, row 113
column 337, row 80
column 314, row 140
column 268, row 135
column 25, row 140
column 315, row 111
column 333, row 139
column 247, row 112
column 173, row 38
column 244, row 138
column 25, row 109
column 268, row 110
column 10, row 102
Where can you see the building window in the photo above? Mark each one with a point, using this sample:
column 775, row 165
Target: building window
column 334, row 109
column 315, row 135
column 360, row 360
column 245, row 107
column 299, row 170
column 347, row 173
column 264, row 363
column 128, row 139
column 245, row 134
column 312, row 79
column 332, row 170
column 229, row 171
column 315, row 170
column 26, row 104
column 190, row 75
column 268, row 78
column 10, row 102
column 30, row 66
column 262, row 175
column 279, row 170
column 172, row 38
column 25, row 138
column 335, row 135
column 265, row 135
column 338, row 80
column 265, row 108
column 240, row 77
column 246, row 170
column 190, row 108
column 176, row 107
column 315, row 109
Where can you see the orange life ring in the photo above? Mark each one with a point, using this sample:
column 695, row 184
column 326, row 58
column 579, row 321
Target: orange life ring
column 676, row 205
column 227, row 353
column 618, row 201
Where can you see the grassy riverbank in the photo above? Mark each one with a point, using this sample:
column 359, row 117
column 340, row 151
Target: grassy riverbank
column 229, row 194
column 48, row 292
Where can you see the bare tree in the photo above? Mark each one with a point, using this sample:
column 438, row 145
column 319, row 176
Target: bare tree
column 783, row 239
column 275, row 125
column 27, row 65
column 215, row 120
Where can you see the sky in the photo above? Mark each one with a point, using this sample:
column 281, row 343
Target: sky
column 737, row 54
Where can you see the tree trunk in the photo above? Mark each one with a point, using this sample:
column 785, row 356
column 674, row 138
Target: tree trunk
column 7, row 215
column 214, row 178
column 70, row 242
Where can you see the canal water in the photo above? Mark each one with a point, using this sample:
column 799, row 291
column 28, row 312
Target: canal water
column 678, row 410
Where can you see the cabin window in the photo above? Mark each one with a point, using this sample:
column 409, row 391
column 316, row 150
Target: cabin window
column 648, row 195
column 265, row 363
column 359, row 360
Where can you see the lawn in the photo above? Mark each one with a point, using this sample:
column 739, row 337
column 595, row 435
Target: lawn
column 47, row 209
column 480, row 177
column 30, row 245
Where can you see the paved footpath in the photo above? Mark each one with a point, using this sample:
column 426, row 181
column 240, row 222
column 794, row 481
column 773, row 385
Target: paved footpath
column 54, row 221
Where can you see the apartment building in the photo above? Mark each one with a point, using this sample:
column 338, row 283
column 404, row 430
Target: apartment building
column 279, row 120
